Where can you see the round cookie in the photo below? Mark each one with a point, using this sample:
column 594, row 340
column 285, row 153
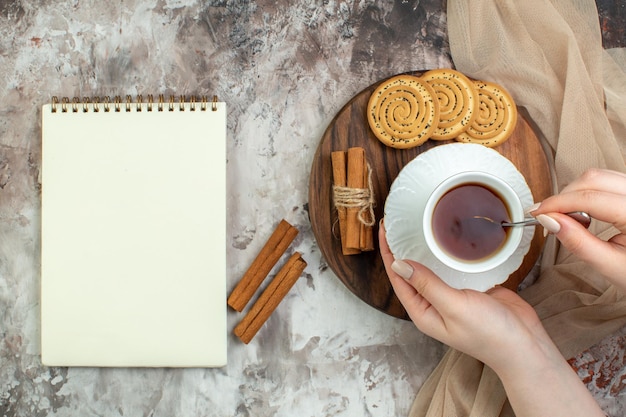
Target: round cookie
column 458, row 102
column 497, row 116
column 403, row 111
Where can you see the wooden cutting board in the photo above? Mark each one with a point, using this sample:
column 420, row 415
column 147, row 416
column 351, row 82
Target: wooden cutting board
column 364, row 274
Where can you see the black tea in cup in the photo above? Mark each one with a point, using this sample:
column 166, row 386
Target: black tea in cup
column 461, row 222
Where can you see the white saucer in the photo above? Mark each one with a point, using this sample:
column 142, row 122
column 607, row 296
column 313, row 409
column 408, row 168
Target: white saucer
column 407, row 197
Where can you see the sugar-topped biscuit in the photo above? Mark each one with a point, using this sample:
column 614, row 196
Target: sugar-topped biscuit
column 403, row 111
column 497, row 116
column 458, row 101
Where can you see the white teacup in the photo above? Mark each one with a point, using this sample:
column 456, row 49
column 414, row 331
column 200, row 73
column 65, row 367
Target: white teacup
column 463, row 262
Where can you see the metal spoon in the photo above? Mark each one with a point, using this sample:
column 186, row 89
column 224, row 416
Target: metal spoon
column 580, row 216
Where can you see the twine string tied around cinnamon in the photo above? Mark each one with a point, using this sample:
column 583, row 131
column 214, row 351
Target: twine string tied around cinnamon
column 361, row 198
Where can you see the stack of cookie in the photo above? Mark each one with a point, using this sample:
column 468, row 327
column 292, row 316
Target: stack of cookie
column 406, row 110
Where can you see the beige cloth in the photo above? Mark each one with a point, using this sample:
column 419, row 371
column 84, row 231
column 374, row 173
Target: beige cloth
column 549, row 55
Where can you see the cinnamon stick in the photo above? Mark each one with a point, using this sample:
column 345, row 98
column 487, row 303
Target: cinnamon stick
column 356, row 162
column 367, row 233
column 274, row 248
column 339, row 163
column 270, row 298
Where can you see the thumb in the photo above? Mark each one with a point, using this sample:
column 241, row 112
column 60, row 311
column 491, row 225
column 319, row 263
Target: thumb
column 427, row 284
column 577, row 239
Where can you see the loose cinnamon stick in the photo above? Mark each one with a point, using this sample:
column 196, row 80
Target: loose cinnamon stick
column 356, row 163
column 274, row 248
column 339, row 163
column 270, row 298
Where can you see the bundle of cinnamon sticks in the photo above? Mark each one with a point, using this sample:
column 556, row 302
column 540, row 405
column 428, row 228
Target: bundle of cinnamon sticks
column 353, row 198
column 278, row 288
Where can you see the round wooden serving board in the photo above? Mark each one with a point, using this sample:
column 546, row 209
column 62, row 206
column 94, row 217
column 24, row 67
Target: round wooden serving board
column 364, row 274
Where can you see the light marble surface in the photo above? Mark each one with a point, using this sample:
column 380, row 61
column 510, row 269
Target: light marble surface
column 284, row 68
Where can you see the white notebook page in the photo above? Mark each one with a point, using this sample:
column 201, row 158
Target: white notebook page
column 133, row 237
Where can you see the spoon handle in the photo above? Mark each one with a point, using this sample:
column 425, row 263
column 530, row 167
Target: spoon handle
column 580, row 216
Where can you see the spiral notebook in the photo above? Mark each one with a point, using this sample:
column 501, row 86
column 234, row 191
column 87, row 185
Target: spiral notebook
column 133, row 233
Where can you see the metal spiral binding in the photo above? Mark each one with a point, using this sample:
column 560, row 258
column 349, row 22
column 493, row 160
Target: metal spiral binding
column 117, row 104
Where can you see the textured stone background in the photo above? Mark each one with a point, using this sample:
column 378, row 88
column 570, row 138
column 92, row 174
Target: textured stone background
column 284, row 69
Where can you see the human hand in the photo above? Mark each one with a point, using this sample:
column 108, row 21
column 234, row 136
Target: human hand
column 498, row 328
column 493, row 327
column 602, row 194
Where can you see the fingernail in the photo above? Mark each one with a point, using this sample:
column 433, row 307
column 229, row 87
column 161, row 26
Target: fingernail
column 549, row 224
column 532, row 208
column 402, row 268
